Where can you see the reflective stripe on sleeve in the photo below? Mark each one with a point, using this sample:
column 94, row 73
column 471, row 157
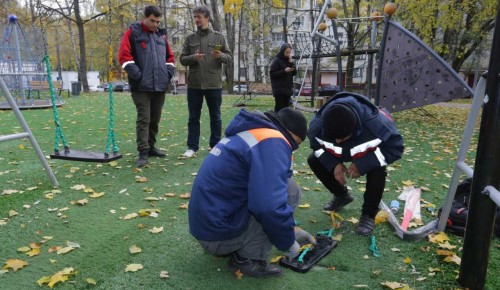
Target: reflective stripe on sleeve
column 370, row 146
column 362, row 149
column 330, row 148
column 127, row 62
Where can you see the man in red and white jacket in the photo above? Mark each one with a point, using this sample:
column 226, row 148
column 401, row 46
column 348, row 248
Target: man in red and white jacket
column 147, row 57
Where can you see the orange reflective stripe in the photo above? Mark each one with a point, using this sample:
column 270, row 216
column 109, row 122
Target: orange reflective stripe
column 266, row 133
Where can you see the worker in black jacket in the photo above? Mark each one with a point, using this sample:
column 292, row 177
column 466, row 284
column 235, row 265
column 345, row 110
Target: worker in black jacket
column 349, row 128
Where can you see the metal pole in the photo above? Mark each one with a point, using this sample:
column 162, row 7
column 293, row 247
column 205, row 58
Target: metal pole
column 27, row 133
column 482, row 210
column 369, row 73
column 340, row 80
column 19, row 63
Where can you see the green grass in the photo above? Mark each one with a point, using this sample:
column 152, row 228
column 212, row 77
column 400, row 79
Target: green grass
column 105, row 238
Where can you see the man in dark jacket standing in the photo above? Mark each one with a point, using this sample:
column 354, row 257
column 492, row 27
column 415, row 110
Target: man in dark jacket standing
column 203, row 53
column 349, row 128
column 282, row 71
column 146, row 56
column 243, row 197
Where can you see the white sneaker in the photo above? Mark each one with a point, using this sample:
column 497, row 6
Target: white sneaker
column 189, row 153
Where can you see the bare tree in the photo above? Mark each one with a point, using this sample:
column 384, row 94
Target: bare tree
column 66, row 12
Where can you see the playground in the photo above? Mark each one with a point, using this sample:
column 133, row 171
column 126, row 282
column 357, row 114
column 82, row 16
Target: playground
column 32, row 211
column 70, row 223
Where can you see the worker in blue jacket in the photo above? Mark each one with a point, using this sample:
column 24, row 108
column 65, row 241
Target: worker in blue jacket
column 243, row 197
column 349, row 128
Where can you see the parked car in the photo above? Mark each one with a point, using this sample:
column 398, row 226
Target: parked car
column 98, row 88
column 237, row 89
column 119, row 87
column 328, row 90
column 306, row 91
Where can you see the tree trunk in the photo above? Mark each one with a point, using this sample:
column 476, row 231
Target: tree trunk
column 230, row 39
column 215, row 16
column 82, row 71
column 262, row 60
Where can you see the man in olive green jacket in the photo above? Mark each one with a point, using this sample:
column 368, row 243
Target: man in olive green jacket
column 203, row 53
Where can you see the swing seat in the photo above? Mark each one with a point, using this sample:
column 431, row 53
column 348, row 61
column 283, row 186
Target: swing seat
column 85, row 156
column 324, row 245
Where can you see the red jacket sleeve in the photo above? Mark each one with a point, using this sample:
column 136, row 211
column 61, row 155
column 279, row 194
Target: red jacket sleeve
column 170, row 53
column 125, row 51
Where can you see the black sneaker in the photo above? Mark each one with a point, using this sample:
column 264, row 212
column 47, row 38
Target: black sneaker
column 142, row 160
column 253, row 268
column 365, row 226
column 338, row 202
column 156, row 153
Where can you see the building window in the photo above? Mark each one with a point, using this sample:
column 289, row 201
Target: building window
column 298, row 3
column 360, row 57
column 357, row 72
column 277, row 20
column 277, row 37
column 243, row 71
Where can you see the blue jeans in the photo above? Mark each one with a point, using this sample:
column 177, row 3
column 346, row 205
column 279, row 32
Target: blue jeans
column 195, row 103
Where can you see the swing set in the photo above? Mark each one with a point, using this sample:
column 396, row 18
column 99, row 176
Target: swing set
column 76, row 155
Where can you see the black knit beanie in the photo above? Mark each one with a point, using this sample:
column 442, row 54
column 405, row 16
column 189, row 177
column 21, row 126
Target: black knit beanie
column 294, row 121
column 338, row 122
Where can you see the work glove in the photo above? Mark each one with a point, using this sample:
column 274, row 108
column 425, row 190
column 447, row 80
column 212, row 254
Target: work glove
column 293, row 251
column 303, row 237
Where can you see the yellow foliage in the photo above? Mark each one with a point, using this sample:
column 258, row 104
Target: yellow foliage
column 15, row 264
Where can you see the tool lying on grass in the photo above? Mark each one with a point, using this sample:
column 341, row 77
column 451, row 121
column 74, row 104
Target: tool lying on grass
column 311, row 255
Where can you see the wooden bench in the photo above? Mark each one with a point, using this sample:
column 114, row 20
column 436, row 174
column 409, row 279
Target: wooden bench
column 254, row 89
column 44, row 86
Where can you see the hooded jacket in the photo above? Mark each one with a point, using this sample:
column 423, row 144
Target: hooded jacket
column 147, row 58
column 245, row 174
column 281, row 81
column 374, row 143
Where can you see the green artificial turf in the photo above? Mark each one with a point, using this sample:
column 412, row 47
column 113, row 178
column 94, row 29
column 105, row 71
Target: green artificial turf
column 105, row 237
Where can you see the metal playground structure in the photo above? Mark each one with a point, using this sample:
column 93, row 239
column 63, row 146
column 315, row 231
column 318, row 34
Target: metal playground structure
column 411, row 75
column 23, row 69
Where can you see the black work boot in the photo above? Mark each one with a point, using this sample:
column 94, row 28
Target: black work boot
column 156, row 152
column 365, row 226
column 142, row 159
column 254, row 268
column 338, row 202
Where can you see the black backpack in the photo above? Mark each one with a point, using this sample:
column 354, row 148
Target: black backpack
column 460, row 209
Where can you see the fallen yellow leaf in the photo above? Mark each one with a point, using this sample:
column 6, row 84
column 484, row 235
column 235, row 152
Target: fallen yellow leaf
column 15, row 264
column 134, row 249
column 438, row 238
column 23, row 249
column 33, row 252
column 156, row 230
column 96, row 194
column 238, row 274
column 65, row 250
column 447, row 245
column 305, row 205
column 453, row 259
column 130, row 216
column 133, row 267
column 392, row 285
